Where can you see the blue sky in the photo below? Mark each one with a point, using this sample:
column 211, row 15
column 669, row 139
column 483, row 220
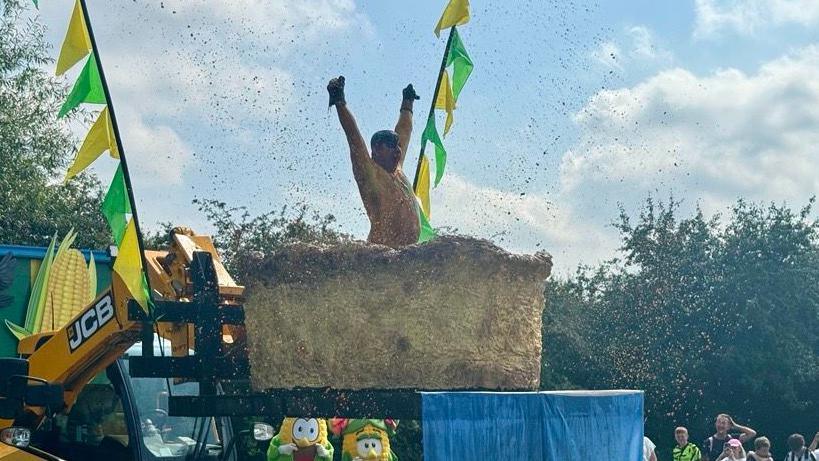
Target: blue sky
column 573, row 107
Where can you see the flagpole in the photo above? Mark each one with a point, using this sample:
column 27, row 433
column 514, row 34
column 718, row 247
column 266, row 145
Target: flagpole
column 432, row 106
column 125, row 174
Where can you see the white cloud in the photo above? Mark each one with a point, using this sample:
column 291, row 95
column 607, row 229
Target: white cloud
column 608, row 54
column 163, row 155
column 644, row 46
column 522, row 223
column 188, row 76
column 709, row 139
column 639, row 46
column 279, row 20
column 714, row 138
column 748, row 16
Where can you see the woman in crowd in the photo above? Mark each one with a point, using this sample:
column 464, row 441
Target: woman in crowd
column 733, row 451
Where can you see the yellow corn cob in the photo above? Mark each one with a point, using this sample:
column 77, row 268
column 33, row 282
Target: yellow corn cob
column 68, row 291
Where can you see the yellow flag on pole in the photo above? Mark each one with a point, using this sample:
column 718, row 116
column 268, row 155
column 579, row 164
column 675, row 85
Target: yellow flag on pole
column 455, row 14
column 446, row 101
column 99, row 139
column 128, row 266
column 422, row 187
column 77, row 43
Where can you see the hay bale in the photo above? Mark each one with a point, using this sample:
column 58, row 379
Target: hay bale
column 455, row 313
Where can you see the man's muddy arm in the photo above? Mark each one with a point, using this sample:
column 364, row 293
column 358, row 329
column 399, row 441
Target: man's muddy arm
column 404, row 125
column 362, row 164
column 404, row 128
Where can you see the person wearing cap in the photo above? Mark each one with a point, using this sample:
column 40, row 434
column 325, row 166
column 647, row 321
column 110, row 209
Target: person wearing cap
column 713, row 446
column 732, row 451
column 387, row 194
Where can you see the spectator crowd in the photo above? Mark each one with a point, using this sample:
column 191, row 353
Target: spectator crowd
column 727, row 444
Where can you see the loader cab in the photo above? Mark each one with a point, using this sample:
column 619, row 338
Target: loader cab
column 118, row 417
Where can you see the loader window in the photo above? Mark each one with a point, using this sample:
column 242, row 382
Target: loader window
column 168, row 436
column 94, row 429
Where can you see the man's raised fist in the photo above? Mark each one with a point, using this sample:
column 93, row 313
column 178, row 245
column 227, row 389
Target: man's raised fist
column 336, row 90
column 410, row 94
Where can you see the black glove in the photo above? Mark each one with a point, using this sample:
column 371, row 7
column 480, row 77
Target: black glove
column 409, row 93
column 336, row 90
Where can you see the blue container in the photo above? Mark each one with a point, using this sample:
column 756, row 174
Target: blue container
column 533, row 426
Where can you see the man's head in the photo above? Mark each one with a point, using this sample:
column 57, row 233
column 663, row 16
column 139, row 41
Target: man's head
column 681, row 436
column 796, row 442
column 762, row 446
column 723, row 423
column 385, row 150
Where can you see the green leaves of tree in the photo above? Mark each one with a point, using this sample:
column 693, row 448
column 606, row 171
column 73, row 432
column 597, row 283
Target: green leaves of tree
column 707, row 315
column 35, row 148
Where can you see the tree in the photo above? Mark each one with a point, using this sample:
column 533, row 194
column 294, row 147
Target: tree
column 242, row 238
column 706, row 317
column 35, row 148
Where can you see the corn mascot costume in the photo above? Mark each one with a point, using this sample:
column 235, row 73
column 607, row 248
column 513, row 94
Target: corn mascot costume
column 365, row 439
column 301, row 439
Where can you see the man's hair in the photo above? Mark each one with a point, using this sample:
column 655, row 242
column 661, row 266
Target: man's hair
column 796, row 441
column 681, row 430
column 723, row 415
column 761, row 442
column 388, row 138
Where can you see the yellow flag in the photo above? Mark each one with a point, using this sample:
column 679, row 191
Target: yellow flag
column 422, row 187
column 455, row 14
column 77, row 43
column 99, row 139
column 446, row 101
column 128, row 266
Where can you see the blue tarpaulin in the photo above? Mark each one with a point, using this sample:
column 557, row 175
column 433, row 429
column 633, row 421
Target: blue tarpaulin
column 533, row 426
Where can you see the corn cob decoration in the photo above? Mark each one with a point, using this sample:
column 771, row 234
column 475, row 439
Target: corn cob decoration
column 63, row 287
column 68, row 291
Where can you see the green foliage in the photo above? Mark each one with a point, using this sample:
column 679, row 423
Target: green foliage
column 406, row 443
column 34, row 148
column 705, row 316
column 241, row 237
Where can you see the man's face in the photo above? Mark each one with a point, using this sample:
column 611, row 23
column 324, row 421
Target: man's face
column 386, row 156
column 723, row 425
column 763, row 451
column 681, row 437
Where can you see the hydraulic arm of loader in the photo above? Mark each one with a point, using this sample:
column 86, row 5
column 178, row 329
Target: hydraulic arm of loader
column 106, row 328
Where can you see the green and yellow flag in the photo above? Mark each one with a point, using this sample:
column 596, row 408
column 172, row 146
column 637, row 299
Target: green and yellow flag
column 461, row 63
column 456, row 13
column 116, row 207
column 422, row 186
column 99, row 139
column 446, row 101
column 427, row 232
column 431, row 134
column 128, row 266
column 77, row 42
column 87, row 88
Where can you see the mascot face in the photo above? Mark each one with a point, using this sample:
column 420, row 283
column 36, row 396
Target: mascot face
column 304, row 432
column 370, row 443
